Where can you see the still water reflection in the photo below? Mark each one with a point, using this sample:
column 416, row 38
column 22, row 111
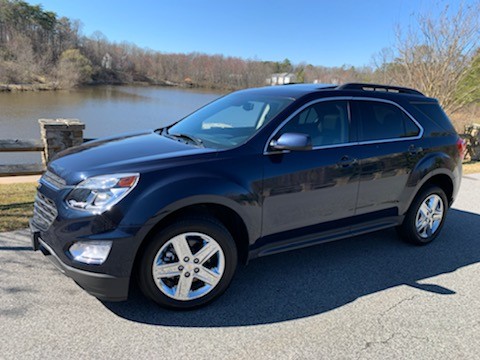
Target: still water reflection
column 105, row 110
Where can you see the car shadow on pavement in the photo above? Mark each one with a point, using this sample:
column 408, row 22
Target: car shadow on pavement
column 318, row 279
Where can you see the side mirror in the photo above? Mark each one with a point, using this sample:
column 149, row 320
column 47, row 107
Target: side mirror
column 292, row 141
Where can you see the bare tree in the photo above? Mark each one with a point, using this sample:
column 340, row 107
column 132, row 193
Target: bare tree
column 435, row 55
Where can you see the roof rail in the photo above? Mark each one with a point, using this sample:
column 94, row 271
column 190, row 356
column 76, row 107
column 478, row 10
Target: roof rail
column 377, row 87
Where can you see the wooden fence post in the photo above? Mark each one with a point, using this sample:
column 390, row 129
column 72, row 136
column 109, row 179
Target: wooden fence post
column 58, row 135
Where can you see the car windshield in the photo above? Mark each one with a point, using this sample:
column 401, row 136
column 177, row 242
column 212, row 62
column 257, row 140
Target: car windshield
column 228, row 121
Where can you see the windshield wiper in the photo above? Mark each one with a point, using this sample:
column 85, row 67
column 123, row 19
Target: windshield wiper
column 190, row 138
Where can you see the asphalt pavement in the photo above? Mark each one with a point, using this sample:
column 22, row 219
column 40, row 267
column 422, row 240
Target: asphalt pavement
column 368, row 297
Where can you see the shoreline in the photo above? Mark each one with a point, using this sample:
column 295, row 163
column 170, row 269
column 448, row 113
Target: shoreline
column 28, row 87
column 56, row 87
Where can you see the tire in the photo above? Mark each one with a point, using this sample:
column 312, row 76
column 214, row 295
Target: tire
column 425, row 217
column 188, row 264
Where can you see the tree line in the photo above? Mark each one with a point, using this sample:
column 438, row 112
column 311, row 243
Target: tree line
column 439, row 56
column 38, row 46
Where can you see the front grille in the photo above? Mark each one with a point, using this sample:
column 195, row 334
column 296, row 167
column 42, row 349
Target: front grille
column 54, row 180
column 44, row 211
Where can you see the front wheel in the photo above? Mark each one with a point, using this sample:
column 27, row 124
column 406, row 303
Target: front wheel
column 189, row 264
column 426, row 216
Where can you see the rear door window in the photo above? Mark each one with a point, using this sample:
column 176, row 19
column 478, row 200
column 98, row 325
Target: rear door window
column 383, row 121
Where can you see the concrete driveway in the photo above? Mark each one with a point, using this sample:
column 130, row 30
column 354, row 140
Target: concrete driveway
column 369, row 297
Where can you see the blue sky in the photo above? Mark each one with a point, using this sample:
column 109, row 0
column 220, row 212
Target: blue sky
column 318, row 32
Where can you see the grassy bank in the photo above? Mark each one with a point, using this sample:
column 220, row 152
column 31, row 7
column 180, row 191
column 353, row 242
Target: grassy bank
column 27, row 87
column 471, row 167
column 16, row 204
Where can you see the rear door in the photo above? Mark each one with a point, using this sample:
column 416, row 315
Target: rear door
column 389, row 147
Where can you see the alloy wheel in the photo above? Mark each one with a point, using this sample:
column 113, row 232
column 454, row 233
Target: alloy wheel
column 429, row 216
column 188, row 266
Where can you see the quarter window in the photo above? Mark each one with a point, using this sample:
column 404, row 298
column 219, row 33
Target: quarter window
column 379, row 121
column 326, row 122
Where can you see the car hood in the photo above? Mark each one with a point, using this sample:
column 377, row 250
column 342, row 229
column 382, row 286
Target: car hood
column 132, row 152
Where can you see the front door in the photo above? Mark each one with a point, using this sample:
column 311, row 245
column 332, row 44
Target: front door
column 305, row 192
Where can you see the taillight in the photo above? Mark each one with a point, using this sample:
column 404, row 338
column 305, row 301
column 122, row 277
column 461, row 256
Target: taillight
column 462, row 147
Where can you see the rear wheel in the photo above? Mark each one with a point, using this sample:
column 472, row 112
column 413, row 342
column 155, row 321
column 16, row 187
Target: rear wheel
column 189, row 264
column 426, row 216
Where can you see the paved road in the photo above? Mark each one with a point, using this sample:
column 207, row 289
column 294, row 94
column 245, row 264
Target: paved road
column 369, row 297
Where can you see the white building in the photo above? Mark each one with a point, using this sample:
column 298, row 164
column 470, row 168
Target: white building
column 281, row 79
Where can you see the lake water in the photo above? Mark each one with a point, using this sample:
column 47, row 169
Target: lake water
column 105, row 110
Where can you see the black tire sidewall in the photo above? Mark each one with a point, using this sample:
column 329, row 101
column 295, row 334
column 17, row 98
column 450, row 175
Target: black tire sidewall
column 409, row 229
column 206, row 226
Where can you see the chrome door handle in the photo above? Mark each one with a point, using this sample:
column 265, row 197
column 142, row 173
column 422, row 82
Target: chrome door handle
column 346, row 161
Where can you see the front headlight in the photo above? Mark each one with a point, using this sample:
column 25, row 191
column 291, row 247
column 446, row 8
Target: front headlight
column 100, row 193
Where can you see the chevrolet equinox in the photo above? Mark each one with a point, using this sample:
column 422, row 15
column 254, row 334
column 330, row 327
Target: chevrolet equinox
column 253, row 173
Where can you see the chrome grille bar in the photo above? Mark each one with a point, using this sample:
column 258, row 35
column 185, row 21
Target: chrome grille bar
column 44, row 211
column 53, row 180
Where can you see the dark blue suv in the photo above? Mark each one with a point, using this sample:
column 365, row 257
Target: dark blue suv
column 256, row 172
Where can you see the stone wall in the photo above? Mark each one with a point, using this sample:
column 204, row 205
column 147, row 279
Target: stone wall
column 58, row 135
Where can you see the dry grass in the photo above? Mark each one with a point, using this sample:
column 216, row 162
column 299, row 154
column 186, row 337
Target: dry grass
column 467, row 116
column 471, row 167
column 16, row 205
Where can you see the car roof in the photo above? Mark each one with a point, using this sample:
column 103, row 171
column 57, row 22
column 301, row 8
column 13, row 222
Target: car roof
column 291, row 90
column 296, row 91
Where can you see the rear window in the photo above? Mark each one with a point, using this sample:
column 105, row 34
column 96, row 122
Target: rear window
column 435, row 113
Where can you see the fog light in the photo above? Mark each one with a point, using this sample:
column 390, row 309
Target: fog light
column 91, row 252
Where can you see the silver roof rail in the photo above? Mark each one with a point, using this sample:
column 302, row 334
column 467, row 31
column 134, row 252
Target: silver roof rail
column 377, row 87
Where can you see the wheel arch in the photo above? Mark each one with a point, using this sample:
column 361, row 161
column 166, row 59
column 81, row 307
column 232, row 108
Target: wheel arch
column 227, row 215
column 437, row 168
column 441, row 178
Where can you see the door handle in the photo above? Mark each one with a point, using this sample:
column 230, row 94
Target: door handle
column 413, row 150
column 346, row 161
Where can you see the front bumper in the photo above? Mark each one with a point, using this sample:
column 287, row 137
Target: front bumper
column 103, row 286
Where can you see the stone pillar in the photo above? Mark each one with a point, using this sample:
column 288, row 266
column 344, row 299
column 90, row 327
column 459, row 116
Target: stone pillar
column 58, row 135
